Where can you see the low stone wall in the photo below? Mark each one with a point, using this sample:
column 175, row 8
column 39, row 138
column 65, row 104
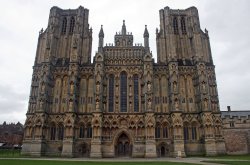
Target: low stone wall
column 237, row 141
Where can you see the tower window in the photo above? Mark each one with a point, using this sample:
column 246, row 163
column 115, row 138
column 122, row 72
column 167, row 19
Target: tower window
column 175, row 24
column 136, row 94
column 231, row 124
column 64, row 25
column 72, row 25
column 123, row 90
column 183, row 26
column 111, row 93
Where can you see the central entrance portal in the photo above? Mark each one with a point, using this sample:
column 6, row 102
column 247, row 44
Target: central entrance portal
column 123, row 147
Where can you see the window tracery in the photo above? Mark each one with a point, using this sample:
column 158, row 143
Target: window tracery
column 123, row 91
column 64, row 25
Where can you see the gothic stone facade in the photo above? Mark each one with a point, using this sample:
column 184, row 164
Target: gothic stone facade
column 124, row 103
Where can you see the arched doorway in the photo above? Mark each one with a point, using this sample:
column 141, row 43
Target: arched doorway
column 162, row 151
column 123, row 147
column 82, row 150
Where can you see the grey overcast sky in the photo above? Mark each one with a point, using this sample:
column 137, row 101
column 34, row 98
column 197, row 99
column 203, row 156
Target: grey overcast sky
column 20, row 21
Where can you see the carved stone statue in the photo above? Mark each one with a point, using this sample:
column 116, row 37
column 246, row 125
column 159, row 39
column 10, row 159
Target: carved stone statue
column 205, row 104
column 149, row 86
column 43, row 88
column 174, row 86
column 203, row 87
column 149, row 104
column 71, row 105
column 75, row 41
column 97, row 104
column 97, row 87
column 176, row 104
column 71, row 88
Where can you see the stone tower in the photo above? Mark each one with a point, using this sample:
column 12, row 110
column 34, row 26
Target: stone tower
column 124, row 103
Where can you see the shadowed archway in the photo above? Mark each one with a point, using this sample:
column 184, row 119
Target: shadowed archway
column 123, row 146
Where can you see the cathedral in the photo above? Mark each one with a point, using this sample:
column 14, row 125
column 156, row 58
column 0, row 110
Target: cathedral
column 123, row 104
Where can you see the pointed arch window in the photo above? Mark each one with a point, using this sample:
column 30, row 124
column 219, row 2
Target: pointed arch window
column 111, row 93
column 72, row 25
column 89, row 131
column 186, row 136
column 183, row 26
column 175, row 24
column 136, row 93
column 194, row 133
column 157, row 131
column 123, row 91
column 53, row 132
column 64, row 25
column 165, row 132
column 60, row 132
column 81, row 131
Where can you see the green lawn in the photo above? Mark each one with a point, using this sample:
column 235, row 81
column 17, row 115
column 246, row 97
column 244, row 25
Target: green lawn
column 50, row 162
column 234, row 157
column 230, row 162
column 9, row 153
column 230, row 159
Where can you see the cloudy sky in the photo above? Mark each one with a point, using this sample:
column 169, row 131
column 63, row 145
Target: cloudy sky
column 20, row 21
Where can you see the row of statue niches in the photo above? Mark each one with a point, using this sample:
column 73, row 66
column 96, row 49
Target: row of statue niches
column 119, row 33
column 111, row 44
column 124, row 54
column 123, row 62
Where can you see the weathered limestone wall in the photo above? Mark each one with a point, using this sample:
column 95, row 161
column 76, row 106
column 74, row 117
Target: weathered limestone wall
column 237, row 141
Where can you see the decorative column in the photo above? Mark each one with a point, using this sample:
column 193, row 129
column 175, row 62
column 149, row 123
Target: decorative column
column 176, row 112
column 96, row 147
column 150, row 145
column 209, row 139
column 70, row 114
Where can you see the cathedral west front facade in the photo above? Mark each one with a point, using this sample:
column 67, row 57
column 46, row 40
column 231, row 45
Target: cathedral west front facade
column 123, row 103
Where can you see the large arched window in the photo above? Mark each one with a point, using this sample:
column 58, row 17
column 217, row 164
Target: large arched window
column 81, row 131
column 60, row 132
column 183, row 26
column 123, row 91
column 194, row 133
column 157, row 131
column 53, row 132
column 64, row 25
column 72, row 25
column 186, row 133
column 111, row 93
column 89, row 131
column 136, row 93
column 165, row 131
column 175, row 25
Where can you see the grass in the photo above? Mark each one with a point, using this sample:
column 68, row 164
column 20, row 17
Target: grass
column 52, row 162
column 230, row 159
column 230, row 162
column 10, row 153
column 234, row 157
